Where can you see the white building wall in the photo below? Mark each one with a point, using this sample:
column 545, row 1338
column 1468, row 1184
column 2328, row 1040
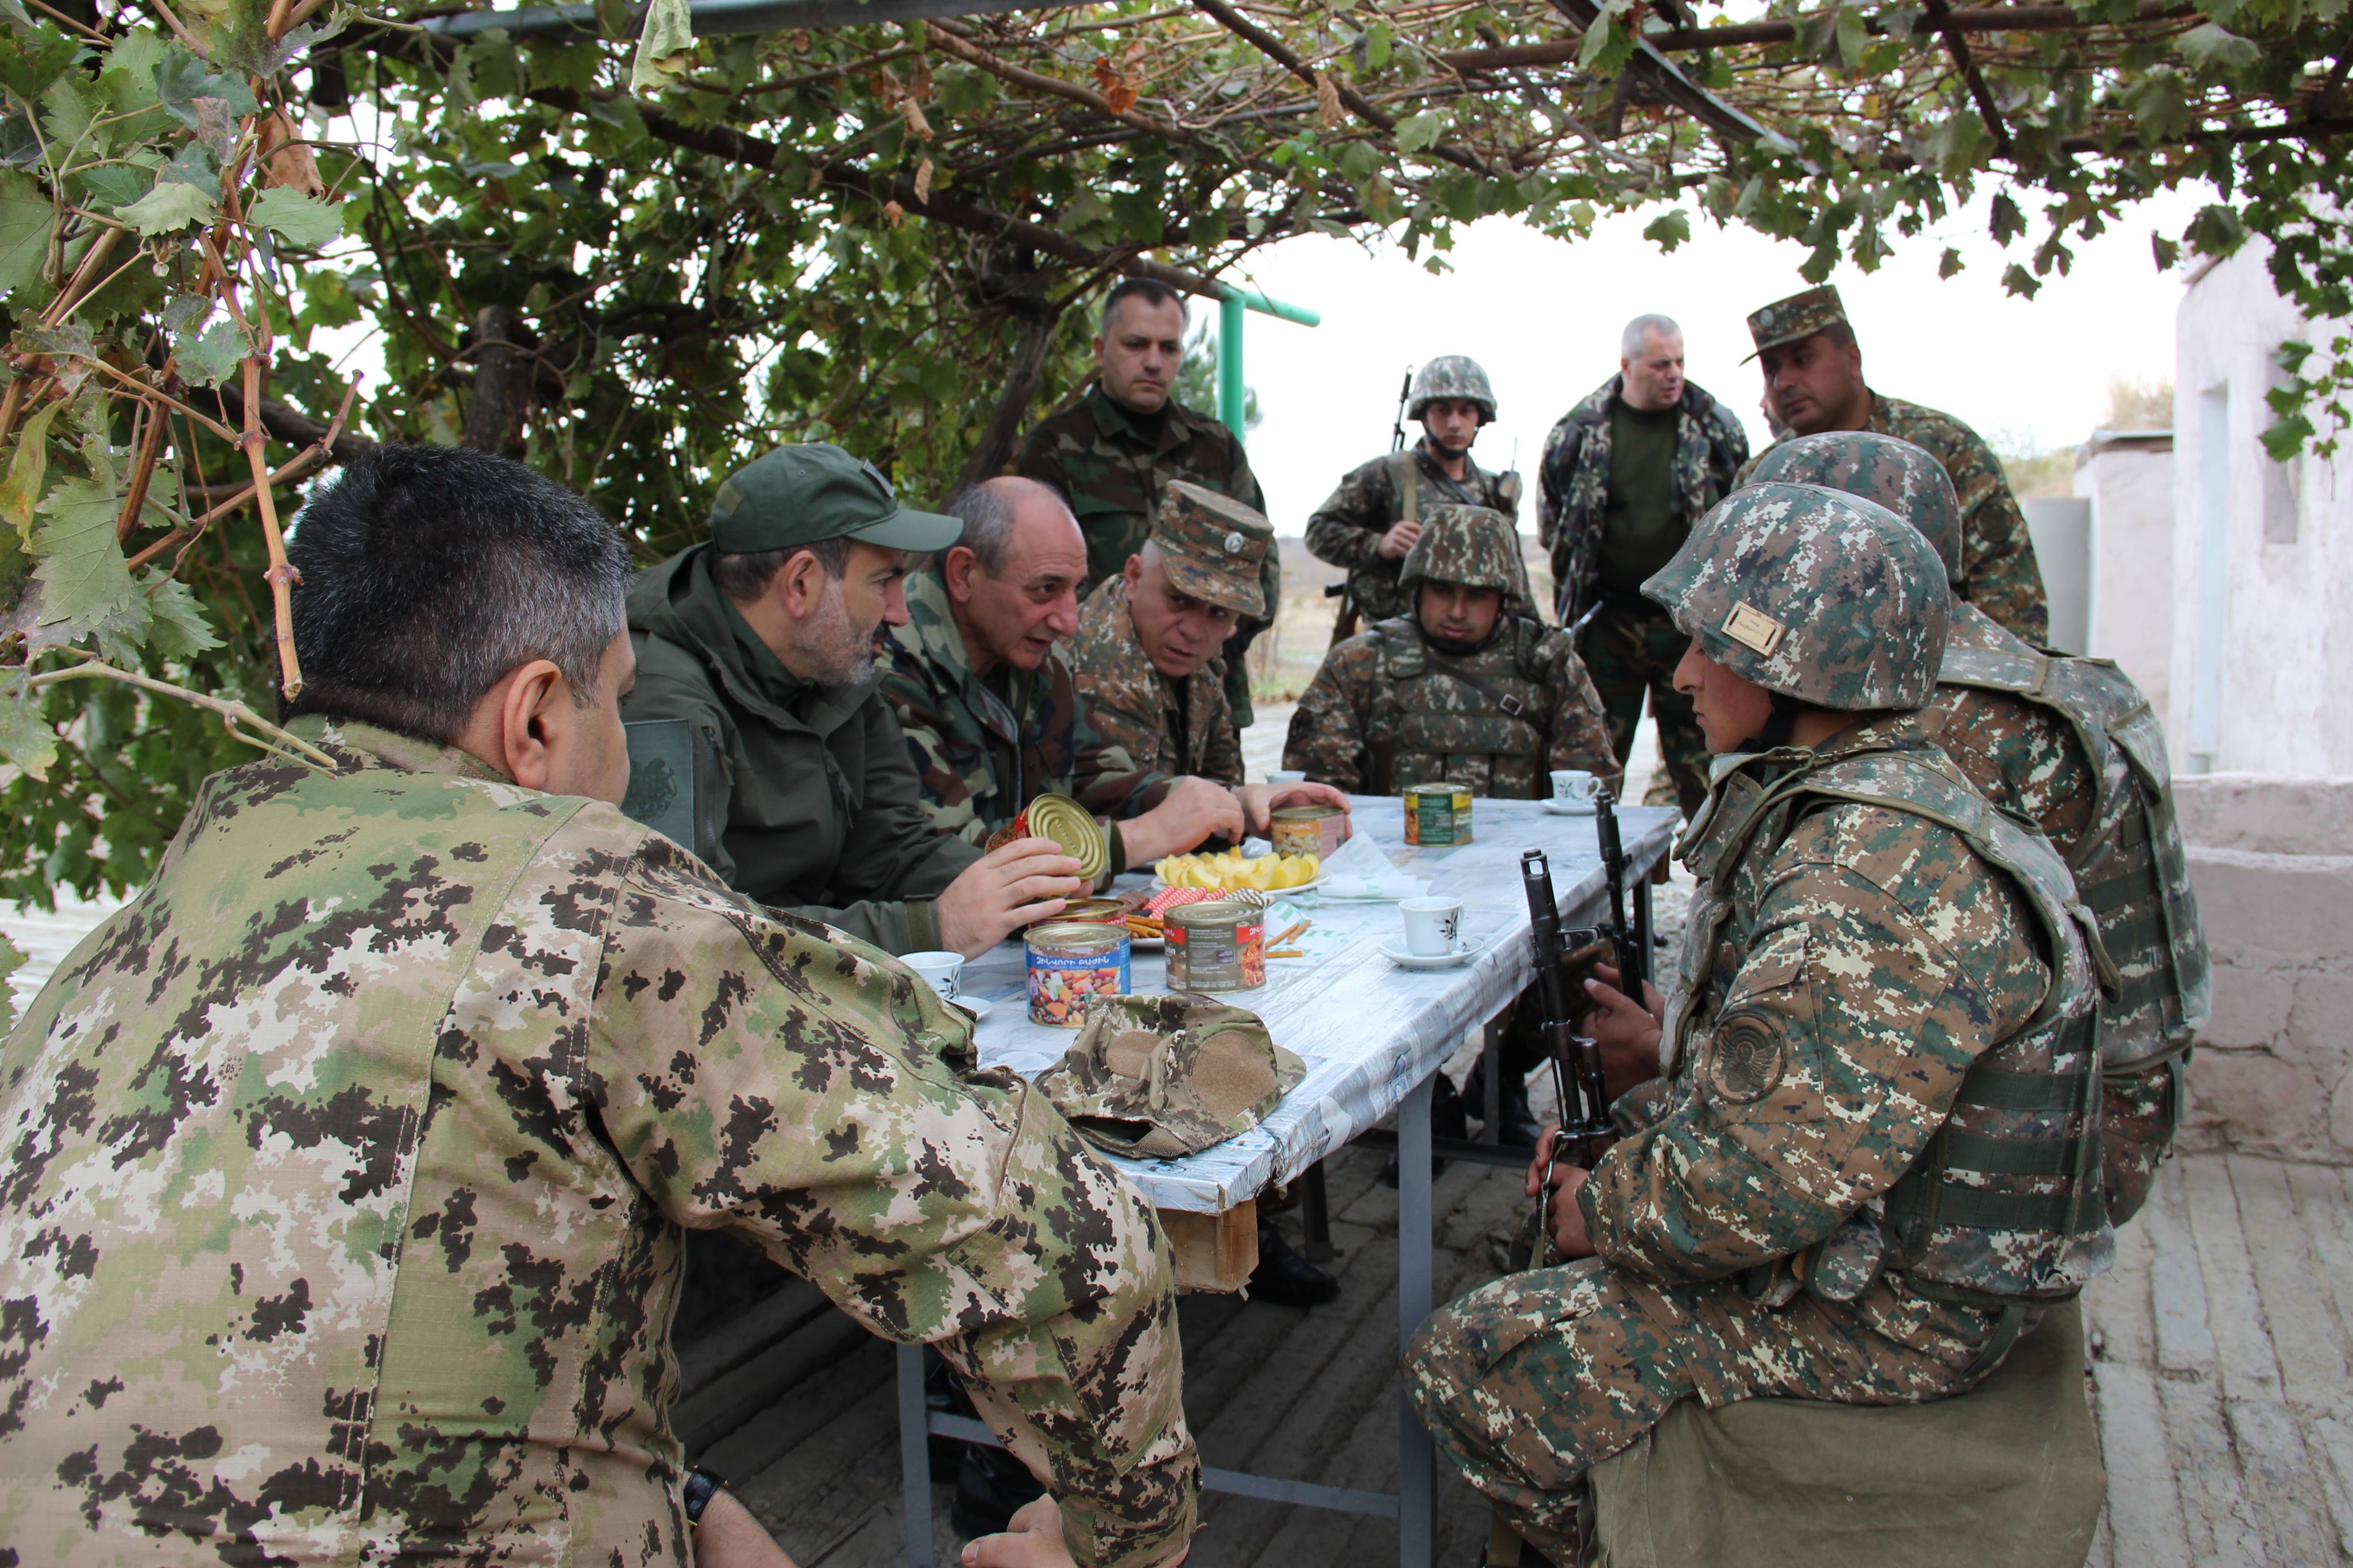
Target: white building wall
column 2128, row 480
column 2262, row 561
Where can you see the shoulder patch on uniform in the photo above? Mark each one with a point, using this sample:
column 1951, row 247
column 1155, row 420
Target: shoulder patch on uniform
column 1753, row 629
column 1747, row 1057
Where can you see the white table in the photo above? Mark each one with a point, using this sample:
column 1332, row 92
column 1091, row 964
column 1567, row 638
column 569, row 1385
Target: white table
column 1373, row 1036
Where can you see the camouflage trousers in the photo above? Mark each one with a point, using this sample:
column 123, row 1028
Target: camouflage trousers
column 1631, row 653
column 1526, row 1383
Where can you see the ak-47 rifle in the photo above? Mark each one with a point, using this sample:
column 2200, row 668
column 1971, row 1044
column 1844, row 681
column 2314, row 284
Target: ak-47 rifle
column 1633, row 963
column 1397, row 428
column 1575, row 1060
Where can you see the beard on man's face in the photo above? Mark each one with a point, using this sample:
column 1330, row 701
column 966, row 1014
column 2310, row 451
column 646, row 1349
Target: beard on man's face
column 840, row 652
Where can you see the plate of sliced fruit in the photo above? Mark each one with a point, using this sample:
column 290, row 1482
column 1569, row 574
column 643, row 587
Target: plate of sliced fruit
column 1232, row 872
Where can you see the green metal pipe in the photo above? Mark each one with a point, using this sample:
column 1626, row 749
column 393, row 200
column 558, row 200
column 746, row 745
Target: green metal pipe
column 1231, row 393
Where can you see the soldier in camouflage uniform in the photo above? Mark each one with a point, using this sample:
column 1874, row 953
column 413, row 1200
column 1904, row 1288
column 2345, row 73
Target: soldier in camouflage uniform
column 1875, row 954
column 1813, row 379
column 1111, row 453
column 1610, row 518
column 1145, row 654
column 1370, row 524
column 348, row 1164
column 1403, row 703
column 2070, row 745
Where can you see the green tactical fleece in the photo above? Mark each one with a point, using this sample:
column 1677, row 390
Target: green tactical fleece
column 805, row 798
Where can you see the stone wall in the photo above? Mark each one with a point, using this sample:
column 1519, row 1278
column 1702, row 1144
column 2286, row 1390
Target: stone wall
column 2271, row 859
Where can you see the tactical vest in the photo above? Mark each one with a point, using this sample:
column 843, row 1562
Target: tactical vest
column 1378, row 594
column 2005, row 1206
column 1448, row 722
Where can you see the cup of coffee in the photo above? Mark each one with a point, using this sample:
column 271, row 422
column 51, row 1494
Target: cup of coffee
column 941, row 971
column 1430, row 925
column 1573, row 786
column 1278, row 777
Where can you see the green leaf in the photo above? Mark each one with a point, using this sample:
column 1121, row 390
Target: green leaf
column 2017, row 280
column 179, row 628
column 2007, row 222
column 84, row 579
column 1378, row 41
column 170, row 207
column 181, row 79
column 1669, row 229
column 1419, row 131
column 25, row 220
column 665, row 47
column 11, row 960
column 1951, row 263
column 2285, row 437
column 1851, row 37
column 107, row 186
column 208, row 357
column 26, row 739
column 27, row 471
column 2211, row 47
column 296, row 218
column 2166, row 251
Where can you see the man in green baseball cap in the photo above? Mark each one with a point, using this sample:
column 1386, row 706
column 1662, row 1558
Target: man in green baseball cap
column 757, row 725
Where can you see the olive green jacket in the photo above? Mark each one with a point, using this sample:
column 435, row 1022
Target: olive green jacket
column 805, row 798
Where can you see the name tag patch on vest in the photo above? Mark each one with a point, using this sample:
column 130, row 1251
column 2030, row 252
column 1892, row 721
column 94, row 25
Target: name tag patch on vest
column 1754, row 629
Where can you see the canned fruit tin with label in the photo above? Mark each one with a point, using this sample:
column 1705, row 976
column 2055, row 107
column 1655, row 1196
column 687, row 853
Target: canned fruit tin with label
column 1070, row 963
column 1438, row 816
column 1216, row 947
column 1309, row 830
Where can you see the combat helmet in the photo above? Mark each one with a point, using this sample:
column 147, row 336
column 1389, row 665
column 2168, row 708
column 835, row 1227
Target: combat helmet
column 1451, row 375
column 1905, row 479
column 1820, row 596
column 1472, row 545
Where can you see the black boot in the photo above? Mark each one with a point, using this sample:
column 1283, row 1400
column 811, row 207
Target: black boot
column 1285, row 1278
column 1446, row 1120
column 1519, row 1122
column 991, row 1487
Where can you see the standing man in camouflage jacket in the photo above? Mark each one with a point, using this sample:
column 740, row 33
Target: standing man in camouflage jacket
column 1370, row 522
column 1813, row 379
column 1112, row 453
column 348, row 1164
column 1625, row 476
column 1873, row 954
column 760, row 646
column 1468, row 685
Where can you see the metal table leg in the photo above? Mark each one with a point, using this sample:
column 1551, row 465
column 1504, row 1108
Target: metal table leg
column 1417, row 1535
column 914, row 1456
column 1490, row 1057
column 1315, row 1212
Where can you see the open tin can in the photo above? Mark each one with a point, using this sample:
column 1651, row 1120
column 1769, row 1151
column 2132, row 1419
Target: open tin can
column 1216, row 947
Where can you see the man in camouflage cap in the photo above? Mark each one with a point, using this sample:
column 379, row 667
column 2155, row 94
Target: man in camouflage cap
column 1468, row 686
column 1875, row 954
column 2070, row 745
column 1813, row 380
column 364, row 1140
column 1111, row 451
column 1371, row 521
column 1625, row 475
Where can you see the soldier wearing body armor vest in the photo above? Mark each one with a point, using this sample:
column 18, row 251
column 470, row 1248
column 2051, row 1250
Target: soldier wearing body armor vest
column 1855, row 1151
column 2070, row 745
column 1467, row 686
column 1370, row 522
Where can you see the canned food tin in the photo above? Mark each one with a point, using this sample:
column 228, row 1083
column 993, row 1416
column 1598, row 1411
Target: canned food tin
column 1095, row 912
column 1437, row 814
column 1309, row 829
column 1069, row 962
column 1216, row 947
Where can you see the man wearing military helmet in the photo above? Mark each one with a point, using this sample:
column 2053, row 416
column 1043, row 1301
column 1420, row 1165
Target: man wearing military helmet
column 1372, row 520
column 1873, row 955
column 1625, row 475
column 2070, row 745
column 1813, row 381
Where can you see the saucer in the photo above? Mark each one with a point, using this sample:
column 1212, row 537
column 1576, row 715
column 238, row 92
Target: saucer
column 974, row 1005
column 1558, row 808
column 1463, row 953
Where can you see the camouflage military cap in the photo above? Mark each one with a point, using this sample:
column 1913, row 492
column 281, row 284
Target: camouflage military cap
column 1472, row 545
column 1213, row 546
column 1163, row 1075
column 1816, row 593
column 1451, row 375
column 1899, row 476
column 1799, row 316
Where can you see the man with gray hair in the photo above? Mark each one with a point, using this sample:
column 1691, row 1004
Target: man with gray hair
column 1624, row 476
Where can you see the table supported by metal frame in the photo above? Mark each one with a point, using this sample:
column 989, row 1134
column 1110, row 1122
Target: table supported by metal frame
column 1357, row 1078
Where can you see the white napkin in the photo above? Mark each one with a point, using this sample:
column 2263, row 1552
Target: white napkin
column 1360, row 868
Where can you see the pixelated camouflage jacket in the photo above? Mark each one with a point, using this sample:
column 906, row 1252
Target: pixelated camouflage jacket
column 804, row 795
column 982, row 754
column 1573, row 483
column 1370, row 500
column 1386, row 709
column 1165, row 727
column 2000, row 575
column 1831, row 1000
column 347, row 1167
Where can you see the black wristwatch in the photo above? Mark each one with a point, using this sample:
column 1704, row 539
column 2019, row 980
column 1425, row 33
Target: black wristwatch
column 702, row 1485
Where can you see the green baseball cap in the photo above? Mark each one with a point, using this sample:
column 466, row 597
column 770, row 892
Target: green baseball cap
column 802, row 495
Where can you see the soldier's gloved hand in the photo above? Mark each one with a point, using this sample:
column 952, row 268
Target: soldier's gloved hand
column 1398, row 540
column 1028, row 881
column 1033, row 1540
column 1567, row 1220
column 1192, row 811
column 1626, row 1033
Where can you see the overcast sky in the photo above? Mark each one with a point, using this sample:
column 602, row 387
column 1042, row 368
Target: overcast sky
column 1545, row 318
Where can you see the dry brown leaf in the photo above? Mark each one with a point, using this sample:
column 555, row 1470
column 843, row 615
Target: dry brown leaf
column 1119, row 97
column 917, row 126
column 1328, row 112
column 894, row 214
column 288, row 160
column 923, row 181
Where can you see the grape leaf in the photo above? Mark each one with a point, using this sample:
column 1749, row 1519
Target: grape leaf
column 25, row 219
column 84, row 579
column 170, row 206
column 179, row 628
column 26, row 738
column 296, row 218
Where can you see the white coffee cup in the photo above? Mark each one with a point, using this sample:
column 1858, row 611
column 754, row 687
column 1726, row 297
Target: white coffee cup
column 1430, row 925
column 941, row 969
column 1571, row 786
column 1281, row 777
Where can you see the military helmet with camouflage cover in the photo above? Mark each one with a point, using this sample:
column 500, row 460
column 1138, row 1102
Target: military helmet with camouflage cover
column 1472, row 545
column 1904, row 479
column 1451, row 375
column 1812, row 592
